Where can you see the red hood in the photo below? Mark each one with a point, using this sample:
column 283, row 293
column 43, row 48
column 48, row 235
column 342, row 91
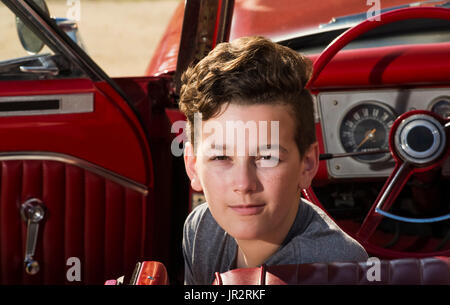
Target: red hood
column 274, row 19
column 281, row 18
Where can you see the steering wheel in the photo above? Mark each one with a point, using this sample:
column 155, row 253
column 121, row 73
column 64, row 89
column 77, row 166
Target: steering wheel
column 410, row 156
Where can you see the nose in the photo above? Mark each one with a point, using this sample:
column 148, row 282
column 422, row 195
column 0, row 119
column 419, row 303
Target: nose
column 244, row 178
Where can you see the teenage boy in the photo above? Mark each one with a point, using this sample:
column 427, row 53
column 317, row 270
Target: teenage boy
column 252, row 184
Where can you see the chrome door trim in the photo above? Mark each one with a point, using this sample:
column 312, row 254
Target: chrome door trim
column 67, row 103
column 86, row 165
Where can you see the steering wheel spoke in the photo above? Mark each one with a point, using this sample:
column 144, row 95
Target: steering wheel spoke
column 387, row 196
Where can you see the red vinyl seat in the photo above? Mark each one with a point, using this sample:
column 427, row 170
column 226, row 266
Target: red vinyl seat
column 406, row 271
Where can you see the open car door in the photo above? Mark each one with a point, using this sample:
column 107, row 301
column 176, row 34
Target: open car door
column 76, row 170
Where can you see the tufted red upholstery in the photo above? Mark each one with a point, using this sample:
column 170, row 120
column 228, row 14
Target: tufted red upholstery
column 89, row 217
column 407, row 271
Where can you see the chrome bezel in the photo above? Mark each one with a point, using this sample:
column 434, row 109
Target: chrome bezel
column 409, row 154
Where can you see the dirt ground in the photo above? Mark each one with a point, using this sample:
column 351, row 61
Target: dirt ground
column 120, row 35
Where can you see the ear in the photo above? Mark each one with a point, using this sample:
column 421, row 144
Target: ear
column 310, row 165
column 189, row 163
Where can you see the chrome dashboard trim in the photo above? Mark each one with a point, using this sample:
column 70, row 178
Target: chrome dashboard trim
column 86, row 165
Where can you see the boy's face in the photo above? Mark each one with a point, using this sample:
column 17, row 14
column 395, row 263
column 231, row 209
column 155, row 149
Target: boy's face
column 252, row 186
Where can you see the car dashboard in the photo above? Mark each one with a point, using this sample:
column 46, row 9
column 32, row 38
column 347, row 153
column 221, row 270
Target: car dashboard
column 360, row 121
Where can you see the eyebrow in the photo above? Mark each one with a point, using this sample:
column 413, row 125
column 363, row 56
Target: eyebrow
column 279, row 147
column 260, row 148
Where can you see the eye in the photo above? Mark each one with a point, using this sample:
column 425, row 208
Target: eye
column 219, row 158
column 267, row 161
column 266, row 157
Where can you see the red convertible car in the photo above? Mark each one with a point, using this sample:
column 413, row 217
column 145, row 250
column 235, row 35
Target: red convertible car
column 91, row 182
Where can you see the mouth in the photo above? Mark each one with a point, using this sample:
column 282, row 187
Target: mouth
column 247, row 209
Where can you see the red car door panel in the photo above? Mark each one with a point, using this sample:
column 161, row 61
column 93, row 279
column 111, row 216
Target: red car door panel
column 105, row 133
column 91, row 168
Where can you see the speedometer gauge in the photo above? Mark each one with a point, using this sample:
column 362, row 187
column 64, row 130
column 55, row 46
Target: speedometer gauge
column 441, row 106
column 366, row 128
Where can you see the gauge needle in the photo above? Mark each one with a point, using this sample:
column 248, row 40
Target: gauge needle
column 368, row 136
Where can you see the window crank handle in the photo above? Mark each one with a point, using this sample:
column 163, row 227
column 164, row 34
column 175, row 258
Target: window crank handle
column 33, row 212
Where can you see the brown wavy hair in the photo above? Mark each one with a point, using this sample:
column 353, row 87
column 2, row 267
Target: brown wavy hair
column 249, row 71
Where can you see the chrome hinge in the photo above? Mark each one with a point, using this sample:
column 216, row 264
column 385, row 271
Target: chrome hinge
column 33, row 212
column 47, row 67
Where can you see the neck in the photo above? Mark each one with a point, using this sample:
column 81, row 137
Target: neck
column 254, row 252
